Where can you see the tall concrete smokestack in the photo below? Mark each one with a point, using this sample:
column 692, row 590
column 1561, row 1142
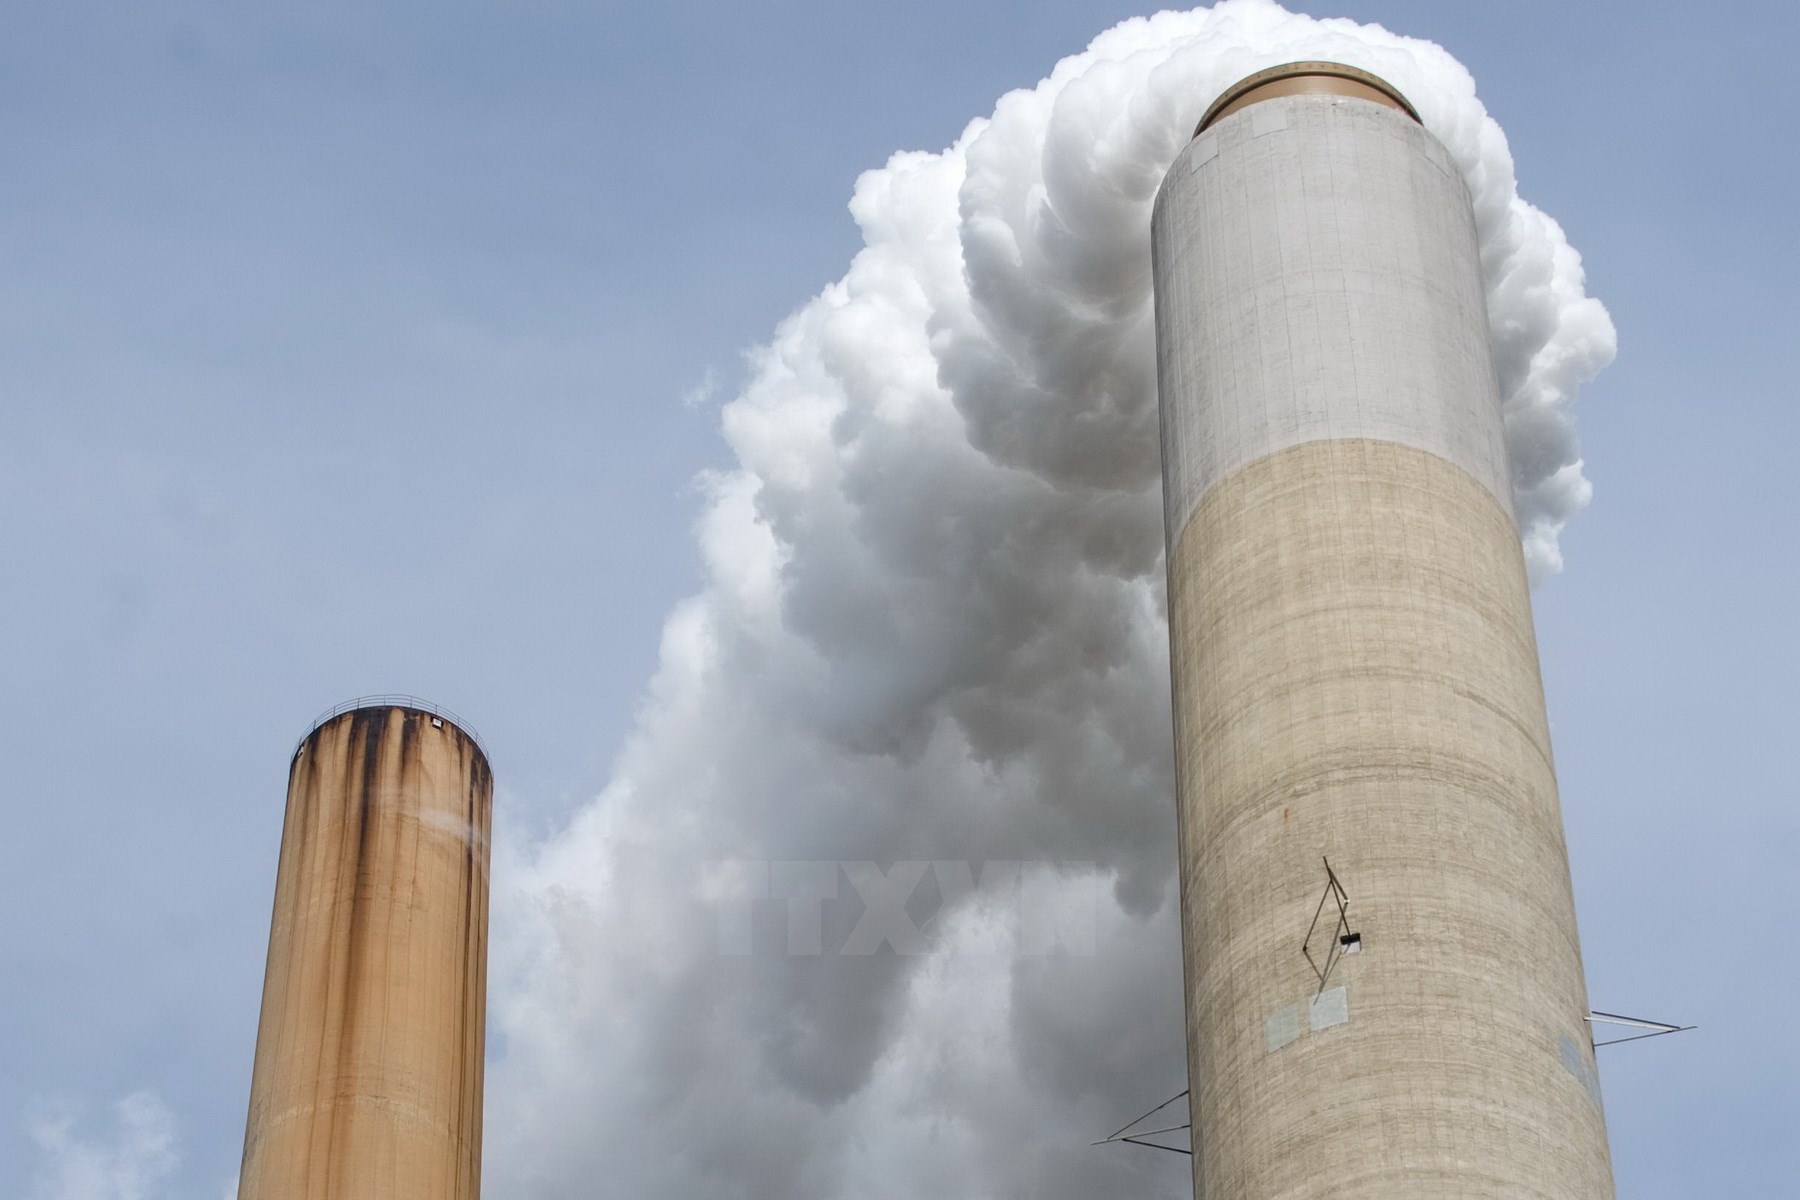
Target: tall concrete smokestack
column 1356, row 678
column 369, row 1055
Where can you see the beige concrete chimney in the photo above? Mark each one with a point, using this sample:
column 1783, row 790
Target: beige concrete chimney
column 368, row 1076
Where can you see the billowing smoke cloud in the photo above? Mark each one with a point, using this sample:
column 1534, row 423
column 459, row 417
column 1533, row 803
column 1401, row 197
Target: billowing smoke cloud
column 133, row 1161
column 933, row 631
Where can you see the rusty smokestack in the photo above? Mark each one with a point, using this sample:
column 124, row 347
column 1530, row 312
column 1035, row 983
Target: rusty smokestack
column 368, row 1075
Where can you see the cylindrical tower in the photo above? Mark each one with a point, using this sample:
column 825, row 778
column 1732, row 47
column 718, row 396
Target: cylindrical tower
column 369, row 1056
column 1356, row 678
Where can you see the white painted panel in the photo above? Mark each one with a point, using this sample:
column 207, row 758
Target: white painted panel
column 1267, row 118
column 1328, row 1008
column 1282, row 1027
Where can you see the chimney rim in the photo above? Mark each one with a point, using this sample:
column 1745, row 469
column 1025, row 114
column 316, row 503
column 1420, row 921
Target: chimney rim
column 1230, row 100
column 385, row 702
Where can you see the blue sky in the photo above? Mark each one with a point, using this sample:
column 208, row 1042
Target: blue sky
column 344, row 349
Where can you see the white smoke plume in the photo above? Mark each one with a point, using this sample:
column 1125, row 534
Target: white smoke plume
column 933, row 630
column 133, row 1162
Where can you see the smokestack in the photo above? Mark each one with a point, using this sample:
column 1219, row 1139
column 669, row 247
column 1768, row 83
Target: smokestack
column 369, row 1055
column 1384, row 989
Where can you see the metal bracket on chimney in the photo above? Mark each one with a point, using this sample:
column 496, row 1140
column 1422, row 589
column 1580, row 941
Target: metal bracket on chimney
column 1656, row 1028
column 1342, row 939
column 1133, row 1135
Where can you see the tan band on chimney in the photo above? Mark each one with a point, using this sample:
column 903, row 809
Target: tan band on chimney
column 1304, row 79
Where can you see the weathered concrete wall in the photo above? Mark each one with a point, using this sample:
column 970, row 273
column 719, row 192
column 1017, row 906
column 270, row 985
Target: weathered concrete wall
column 368, row 1076
column 1316, row 277
column 1356, row 677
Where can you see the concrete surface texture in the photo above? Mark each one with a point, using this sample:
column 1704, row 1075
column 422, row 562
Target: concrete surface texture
column 1318, row 254
column 1356, row 678
column 368, row 1075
